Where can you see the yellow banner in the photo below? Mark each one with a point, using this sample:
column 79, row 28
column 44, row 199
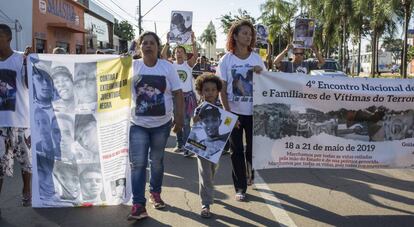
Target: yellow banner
column 113, row 81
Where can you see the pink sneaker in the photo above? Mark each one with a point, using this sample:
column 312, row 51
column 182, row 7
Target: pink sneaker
column 155, row 199
column 137, row 212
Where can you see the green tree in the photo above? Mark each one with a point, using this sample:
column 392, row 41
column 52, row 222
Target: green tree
column 394, row 46
column 209, row 36
column 227, row 19
column 124, row 30
column 278, row 16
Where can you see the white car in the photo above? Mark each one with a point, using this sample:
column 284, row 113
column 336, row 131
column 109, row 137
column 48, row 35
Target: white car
column 328, row 72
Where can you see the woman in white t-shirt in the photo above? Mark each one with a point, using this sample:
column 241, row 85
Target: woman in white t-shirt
column 236, row 70
column 154, row 84
column 185, row 72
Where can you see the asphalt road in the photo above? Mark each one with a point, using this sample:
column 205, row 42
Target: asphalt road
column 280, row 197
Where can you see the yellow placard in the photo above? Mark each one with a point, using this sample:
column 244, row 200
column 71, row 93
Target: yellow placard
column 227, row 122
column 113, row 80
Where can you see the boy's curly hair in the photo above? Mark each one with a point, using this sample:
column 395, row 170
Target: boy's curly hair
column 205, row 78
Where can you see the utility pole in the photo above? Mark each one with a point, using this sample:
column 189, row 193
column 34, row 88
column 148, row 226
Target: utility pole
column 139, row 17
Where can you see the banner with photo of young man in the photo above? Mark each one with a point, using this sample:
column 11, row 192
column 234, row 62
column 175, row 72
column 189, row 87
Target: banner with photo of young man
column 210, row 132
column 181, row 27
column 79, row 111
column 303, row 33
column 332, row 122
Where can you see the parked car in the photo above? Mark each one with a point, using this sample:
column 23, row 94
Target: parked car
column 330, row 68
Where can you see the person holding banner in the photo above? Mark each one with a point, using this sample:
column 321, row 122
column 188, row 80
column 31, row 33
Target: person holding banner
column 14, row 117
column 184, row 70
column 298, row 65
column 236, row 71
column 149, row 131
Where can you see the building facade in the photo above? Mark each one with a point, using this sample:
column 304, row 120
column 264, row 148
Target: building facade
column 58, row 23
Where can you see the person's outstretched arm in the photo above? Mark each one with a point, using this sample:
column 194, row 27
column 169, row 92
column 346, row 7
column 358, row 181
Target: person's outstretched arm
column 281, row 56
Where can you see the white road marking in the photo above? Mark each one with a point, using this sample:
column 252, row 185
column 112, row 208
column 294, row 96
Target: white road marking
column 274, row 204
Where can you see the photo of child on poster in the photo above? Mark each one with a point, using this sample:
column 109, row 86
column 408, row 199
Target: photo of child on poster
column 304, row 32
column 209, row 135
column 181, row 27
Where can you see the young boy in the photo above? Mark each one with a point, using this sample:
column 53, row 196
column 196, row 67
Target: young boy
column 208, row 87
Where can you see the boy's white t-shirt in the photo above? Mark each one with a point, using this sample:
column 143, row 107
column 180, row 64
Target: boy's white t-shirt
column 238, row 74
column 14, row 94
column 185, row 73
column 152, row 100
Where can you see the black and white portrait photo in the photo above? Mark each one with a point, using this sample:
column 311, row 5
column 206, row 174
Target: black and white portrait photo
column 150, row 95
column 86, row 138
column 85, row 86
column 261, row 34
column 210, row 133
column 118, row 187
column 91, row 183
column 8, row 90
column 63, row 136
column 181, row 27
column 63, row 83
column 43, row 89
column 66, row 178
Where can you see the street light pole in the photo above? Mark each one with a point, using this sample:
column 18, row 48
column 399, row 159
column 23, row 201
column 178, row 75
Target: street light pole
column 139, row 18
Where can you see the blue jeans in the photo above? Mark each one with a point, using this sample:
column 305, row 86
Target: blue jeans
column 182, row 135
column 144, row 141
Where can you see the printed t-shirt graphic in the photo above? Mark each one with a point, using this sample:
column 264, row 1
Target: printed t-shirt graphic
column 183, row 75
column 242, row 83
column 150, row 95
column 8, row 90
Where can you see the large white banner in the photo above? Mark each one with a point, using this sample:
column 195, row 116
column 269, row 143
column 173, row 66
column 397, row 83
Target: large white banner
column 79, row 110
column 324, row 122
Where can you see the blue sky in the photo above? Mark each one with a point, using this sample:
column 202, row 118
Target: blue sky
column 204, row 11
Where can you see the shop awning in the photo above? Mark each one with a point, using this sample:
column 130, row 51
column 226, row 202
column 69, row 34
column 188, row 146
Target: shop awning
column 66, row 26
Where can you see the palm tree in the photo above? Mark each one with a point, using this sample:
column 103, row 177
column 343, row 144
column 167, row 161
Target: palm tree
column 408, row 9
column 278, row 16
column 382, row 18
column 209, row 37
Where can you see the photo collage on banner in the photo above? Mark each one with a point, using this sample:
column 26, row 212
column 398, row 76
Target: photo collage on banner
column 320, row 122
column 181, row 27
column 209, row 135
column 64, row 124
column 304, row 33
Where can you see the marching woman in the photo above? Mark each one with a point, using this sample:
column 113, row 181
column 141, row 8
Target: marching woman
column 155, row 83
column 236, row 71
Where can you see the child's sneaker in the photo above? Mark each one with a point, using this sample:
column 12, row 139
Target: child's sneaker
column 137, row 212
column 178, row 150
column 155, row 199
column 187, row 153
column 205, row 211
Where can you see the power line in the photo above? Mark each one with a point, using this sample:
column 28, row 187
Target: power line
column 152, row 8
column 6, row 17
column 122, row 9
column 114, row 12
